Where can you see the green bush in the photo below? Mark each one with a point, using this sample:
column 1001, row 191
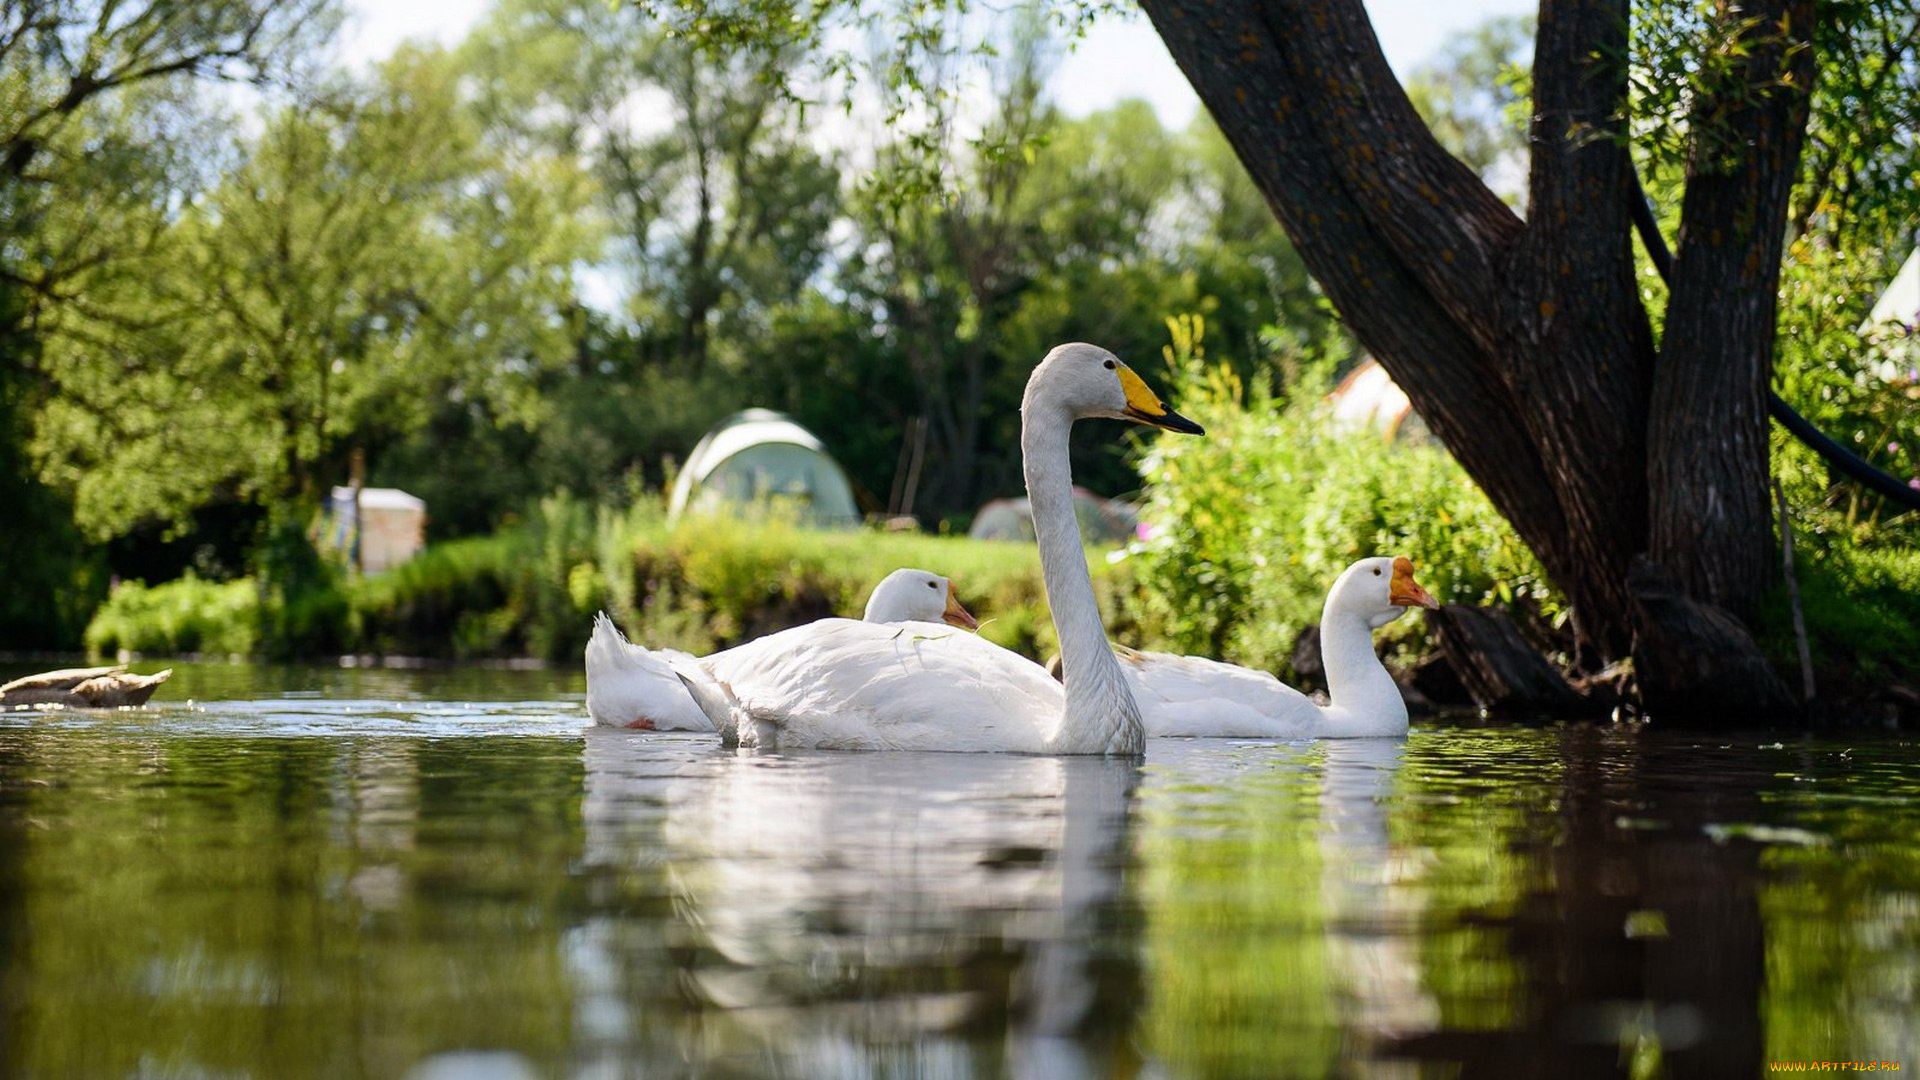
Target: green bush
column 179, row 617
column 531, row 589
column 1250, row 525
column 420, row 607
column 1862, row 611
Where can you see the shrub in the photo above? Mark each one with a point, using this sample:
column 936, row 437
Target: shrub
column 1248, row 526
column 179, row 617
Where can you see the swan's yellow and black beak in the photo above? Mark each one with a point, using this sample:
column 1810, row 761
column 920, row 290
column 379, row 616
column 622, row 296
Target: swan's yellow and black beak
column 956, row 614
column 1403, row 591
column 1144, row 406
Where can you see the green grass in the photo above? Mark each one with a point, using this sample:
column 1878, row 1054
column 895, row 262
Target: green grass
column 1862, row 610
column 531, row 591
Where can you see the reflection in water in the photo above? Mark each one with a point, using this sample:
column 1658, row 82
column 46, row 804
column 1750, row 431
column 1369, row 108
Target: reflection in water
column 1635, row 942
column 957, row 915
column 1370, row 905
column 376, row 883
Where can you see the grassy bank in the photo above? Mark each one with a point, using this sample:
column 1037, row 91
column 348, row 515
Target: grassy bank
column 531, row 591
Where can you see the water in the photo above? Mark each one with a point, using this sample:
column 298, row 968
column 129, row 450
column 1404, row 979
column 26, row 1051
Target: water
column 286, row 873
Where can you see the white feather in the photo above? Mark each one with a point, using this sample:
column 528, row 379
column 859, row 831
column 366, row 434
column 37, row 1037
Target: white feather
column 849, row 685
column 1194, row 696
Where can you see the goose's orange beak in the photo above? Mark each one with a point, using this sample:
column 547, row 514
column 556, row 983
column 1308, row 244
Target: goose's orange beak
column 1403, row 591
column 956, row 614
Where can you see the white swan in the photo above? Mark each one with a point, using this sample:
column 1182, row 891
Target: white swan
column 1189, row 695
column 840, row 684
column 627, row 688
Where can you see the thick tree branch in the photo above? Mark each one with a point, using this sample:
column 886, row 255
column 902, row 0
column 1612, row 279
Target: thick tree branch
column 1414, row 252
column 1574, row 308
column 1707, row 446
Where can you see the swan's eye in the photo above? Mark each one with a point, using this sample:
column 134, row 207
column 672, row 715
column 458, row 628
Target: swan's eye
column 1108, row 365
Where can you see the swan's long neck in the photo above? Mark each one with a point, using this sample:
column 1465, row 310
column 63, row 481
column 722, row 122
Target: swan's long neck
column 1357, row 683
column 1101, row 715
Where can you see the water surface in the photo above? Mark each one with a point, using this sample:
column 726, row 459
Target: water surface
column 288, row 872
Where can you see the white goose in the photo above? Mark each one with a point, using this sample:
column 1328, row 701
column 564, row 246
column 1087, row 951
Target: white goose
column 627, row 687
column 840, row 684
column 1193, row 696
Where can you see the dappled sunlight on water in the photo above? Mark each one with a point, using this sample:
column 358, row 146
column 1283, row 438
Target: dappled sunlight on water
column 300, row 872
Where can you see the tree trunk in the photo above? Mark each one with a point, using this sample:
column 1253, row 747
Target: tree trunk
column 1708, row 445
column 1499, row 670
column 1525, row 345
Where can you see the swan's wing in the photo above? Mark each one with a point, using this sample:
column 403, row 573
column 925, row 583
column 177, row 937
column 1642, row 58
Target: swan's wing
column 633, row 687
column 842, row 684
column 1194, row 696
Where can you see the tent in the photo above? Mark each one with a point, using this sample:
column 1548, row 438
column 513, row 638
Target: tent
column 1894, row 322
column 1901, row 302
column 758, row 459
column 1102, row 521
column 391, row 529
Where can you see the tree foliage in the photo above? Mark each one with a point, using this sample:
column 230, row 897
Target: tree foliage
column 549, row 259
column 367, row 257
column 98, row 139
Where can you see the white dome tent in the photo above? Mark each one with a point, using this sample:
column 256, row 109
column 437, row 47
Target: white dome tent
column 760, row 459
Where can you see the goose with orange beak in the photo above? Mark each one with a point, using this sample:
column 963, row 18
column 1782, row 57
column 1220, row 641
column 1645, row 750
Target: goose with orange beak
column 1193, row 696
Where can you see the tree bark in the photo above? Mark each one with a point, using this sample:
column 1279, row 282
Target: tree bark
column 1499, row 670
column 1433, row 273
column 1525, row 345
column 1708, row 437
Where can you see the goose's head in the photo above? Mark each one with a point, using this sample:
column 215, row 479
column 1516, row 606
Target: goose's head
column 1378, row 590
column 1088, row 381
column 917, row 596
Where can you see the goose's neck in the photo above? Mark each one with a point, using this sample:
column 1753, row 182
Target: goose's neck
column 1101, row 715
column 1357, row 683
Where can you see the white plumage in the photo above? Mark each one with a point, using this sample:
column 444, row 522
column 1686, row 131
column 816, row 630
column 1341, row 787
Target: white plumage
column 1190, row 695
column 628, row 686
column 920, row 686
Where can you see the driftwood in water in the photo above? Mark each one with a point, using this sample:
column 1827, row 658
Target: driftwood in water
column 83, row 688
column 1696, row 664
column 1436, row 682
column 1500, row 669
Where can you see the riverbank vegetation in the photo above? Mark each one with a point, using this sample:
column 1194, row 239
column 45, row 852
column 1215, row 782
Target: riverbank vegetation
column 473, row 272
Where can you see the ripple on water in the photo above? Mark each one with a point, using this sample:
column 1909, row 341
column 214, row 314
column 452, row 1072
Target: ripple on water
column 416, row 874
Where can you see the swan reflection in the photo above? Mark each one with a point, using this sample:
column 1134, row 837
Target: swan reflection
column 1366, row 887
column 857, row 914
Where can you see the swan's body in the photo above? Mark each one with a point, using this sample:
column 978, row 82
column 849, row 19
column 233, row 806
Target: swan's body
column 628, row 686
column 858, row 686
column 845, row 685
column 83, row 688
column 1190, row 695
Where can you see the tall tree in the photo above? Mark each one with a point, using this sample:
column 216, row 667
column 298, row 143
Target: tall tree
column 1634, row 463
column 1525, row 344
column 99, row 138
column 720, row 206
column 369, row 258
